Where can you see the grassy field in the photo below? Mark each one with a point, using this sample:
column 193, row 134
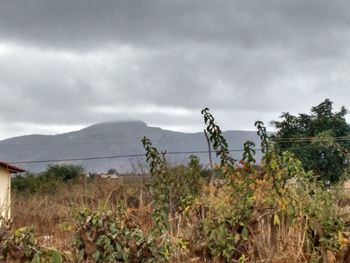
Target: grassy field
column 235, row 211
column 52, row 214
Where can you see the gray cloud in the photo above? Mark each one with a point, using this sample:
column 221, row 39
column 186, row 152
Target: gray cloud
column 94, row 24
column 68, row 63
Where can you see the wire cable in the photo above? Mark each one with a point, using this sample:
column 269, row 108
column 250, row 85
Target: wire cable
column 115, row 157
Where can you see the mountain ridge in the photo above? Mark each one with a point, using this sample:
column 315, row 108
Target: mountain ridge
column 112, row 139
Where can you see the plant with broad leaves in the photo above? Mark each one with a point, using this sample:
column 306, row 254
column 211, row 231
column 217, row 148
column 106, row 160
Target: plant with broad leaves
column 218, row 140
column 160, row 189
column 21, row 245
column 248, row 152
column 103, row 236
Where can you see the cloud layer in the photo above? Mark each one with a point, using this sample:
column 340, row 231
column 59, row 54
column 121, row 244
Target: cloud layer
column 65, row 64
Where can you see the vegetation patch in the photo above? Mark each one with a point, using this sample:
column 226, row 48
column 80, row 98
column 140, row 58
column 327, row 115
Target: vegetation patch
column 282, row 210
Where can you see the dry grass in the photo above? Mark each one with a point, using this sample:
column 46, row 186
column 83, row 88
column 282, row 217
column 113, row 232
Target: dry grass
column 51, row 214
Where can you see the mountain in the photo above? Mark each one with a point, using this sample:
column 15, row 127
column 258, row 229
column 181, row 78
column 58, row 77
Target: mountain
column 113, row 139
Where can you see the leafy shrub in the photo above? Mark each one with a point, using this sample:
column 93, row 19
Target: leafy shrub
column 317, row 139
column 250, row 213
column 64, row 173
column 22, row 246
column 48, row 180
column 103, row 236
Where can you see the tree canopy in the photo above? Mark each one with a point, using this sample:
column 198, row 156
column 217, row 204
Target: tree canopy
column 47, row 180
column 319, row 139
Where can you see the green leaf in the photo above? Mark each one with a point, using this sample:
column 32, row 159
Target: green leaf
column 36, row 258
column 237, row 238
column 56, row 257
column 96, row 255
column 290, row 211
column 276, row 220
column 245, row 233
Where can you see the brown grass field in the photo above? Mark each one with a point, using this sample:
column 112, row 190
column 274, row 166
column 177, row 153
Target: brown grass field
column 51, row 216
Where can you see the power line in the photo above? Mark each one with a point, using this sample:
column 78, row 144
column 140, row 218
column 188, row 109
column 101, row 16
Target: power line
column 92, row 143
column 281, row 140
column 115, row 157
column 314, row 137
column 310, row 139
column 297, row 140
column 80, row 159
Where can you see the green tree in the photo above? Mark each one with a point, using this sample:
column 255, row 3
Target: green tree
column 318, row 139
column 64, row 172
column 48, row 180
column 112, row 171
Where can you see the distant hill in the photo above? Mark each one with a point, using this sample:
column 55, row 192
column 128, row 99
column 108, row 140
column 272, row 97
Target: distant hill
column 113, row 139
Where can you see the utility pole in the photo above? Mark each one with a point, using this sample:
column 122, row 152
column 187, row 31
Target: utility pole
column 209, row 151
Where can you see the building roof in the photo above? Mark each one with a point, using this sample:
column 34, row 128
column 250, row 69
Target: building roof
column 11, row 168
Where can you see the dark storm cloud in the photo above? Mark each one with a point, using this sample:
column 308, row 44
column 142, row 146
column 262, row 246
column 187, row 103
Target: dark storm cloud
column 80, row 62
column 89, row 23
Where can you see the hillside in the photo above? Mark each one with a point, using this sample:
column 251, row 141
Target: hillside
column 112, row 139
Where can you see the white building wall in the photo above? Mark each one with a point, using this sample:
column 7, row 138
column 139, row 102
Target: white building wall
column 5, row 193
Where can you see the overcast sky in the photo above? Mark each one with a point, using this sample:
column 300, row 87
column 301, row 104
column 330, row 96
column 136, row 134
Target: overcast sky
column 66, row 64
